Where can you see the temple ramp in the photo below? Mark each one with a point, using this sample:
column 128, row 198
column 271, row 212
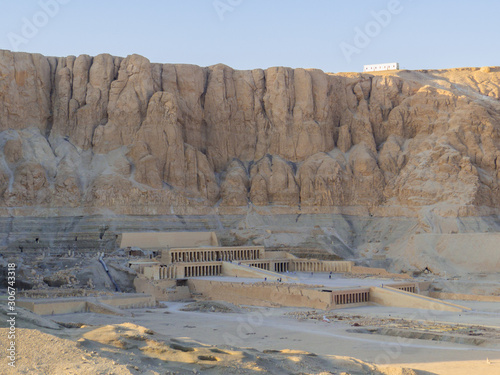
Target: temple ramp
column 243, row 270
column 96, row 306
column 388, row 296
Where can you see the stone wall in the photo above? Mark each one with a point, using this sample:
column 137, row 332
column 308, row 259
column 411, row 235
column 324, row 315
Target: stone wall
column 103, row 304
column 273, row 295
column 162, row 290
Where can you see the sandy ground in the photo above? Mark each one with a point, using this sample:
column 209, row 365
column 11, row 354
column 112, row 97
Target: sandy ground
column 459, row 367
column 277, row 329
column 125, row 349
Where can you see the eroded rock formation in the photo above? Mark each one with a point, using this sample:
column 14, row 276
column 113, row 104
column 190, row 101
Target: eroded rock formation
column 116, row 132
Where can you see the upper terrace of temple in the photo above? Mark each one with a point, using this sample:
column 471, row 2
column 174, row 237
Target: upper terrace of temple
column 166, row 240
column 225, row 253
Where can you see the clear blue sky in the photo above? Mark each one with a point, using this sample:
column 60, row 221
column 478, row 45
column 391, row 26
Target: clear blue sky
column 246, row 34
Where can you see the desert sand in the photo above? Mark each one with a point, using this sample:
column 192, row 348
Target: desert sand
column 278, row 341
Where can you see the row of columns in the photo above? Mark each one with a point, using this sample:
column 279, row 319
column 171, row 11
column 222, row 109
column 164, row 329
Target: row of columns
column 281, row 267
column 318, row 266
column 168, row 272
column 235, row 254
column 410, row 289
column 341, row 266
column 213, row 255
column 193, row 256
column 264, row 266
column 194, row 271
column 310, row 267
column 353, row 297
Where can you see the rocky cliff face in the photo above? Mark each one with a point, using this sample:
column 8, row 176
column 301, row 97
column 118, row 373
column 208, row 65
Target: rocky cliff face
column 130, row 135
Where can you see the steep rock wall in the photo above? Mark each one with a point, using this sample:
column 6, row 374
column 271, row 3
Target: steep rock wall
column 108, row 132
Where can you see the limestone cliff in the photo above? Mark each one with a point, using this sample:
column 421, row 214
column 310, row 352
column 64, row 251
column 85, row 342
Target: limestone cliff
column 137, row 137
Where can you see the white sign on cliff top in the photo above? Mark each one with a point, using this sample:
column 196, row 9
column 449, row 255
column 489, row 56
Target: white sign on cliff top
column 380, row 67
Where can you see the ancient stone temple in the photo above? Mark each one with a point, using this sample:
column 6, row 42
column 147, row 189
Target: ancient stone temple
column 194, row 254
